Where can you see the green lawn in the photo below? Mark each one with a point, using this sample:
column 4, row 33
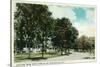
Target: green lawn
column 33, row 57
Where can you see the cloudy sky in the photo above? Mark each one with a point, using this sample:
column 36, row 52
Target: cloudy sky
column 83, row 18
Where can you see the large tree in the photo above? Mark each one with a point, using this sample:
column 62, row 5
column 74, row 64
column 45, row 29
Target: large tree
column 32, row 21
column 71, row 36
column 66, row 33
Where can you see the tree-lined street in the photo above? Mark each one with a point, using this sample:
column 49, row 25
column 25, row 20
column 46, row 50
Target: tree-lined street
column 39, row 36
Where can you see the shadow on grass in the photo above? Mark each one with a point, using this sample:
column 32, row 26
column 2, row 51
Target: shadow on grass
column 37, row 58
column 19, row 59
column 32, row 59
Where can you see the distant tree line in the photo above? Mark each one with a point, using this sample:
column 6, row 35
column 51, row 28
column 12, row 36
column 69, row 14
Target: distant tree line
column 85, row 44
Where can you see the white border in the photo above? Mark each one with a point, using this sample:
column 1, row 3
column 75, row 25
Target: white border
column 5, row 32
column 54, row 3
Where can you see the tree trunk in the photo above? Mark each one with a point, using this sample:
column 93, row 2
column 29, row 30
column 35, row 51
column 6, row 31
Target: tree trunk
column 61, row 51
column 42, row 50
column 29, row 55
column 65, row 51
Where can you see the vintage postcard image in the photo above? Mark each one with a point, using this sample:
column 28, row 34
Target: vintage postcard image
column 50, row 33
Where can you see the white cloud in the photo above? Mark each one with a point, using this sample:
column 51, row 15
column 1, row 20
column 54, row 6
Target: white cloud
column 86, row 29
column 59, row 12
column 91, row 15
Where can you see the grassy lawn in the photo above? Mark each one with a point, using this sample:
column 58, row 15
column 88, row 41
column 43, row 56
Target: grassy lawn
column 38, row 56
column 33, row 57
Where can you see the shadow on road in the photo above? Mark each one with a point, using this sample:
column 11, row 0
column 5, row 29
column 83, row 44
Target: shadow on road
column 89, row 58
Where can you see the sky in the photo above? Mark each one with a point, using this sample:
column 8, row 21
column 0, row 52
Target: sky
column 83, row 18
